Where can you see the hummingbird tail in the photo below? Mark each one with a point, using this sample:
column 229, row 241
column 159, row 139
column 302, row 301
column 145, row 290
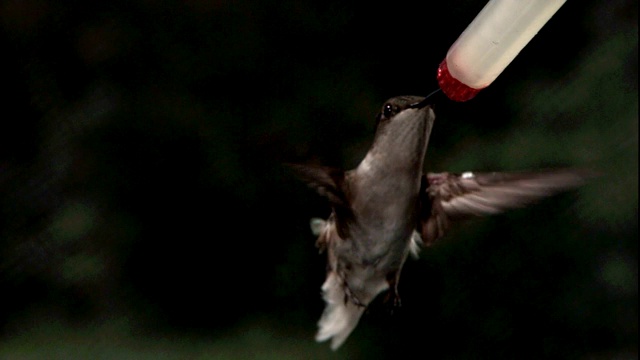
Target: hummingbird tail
column 340, row 317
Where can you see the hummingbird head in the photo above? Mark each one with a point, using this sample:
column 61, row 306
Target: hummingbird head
column 402, row 132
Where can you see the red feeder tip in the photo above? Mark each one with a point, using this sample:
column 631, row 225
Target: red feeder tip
column 454, row 89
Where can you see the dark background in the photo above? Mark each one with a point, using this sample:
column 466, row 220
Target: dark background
column 144, row 211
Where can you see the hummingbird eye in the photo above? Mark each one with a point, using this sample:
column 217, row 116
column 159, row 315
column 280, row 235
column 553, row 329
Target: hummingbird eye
column 388, row 111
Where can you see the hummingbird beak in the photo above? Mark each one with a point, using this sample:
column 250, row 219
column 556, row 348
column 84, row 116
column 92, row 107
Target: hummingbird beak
column 426, row 101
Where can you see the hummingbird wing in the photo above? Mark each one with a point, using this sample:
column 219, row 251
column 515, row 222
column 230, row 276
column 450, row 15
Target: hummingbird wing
column 330, row 183
column 446, row 196
column 327, row 181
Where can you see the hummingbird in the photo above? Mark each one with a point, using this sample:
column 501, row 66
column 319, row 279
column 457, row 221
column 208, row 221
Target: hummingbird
column 387, row 208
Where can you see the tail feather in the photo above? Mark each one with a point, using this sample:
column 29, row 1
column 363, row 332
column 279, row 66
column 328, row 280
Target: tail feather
column 339, row 317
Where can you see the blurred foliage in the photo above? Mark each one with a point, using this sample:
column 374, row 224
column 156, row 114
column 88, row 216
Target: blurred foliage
column 144, row 212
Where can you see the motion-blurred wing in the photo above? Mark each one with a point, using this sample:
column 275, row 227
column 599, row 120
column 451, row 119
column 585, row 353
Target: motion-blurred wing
column 448, row 196
column 325, row 180
column 330, row 183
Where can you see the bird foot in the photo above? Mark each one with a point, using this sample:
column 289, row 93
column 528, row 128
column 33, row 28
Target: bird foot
column 394, row 300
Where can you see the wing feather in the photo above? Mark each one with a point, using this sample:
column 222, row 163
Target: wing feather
column 448, row 196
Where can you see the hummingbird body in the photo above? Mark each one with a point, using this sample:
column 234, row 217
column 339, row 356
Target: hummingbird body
column 383, row 209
